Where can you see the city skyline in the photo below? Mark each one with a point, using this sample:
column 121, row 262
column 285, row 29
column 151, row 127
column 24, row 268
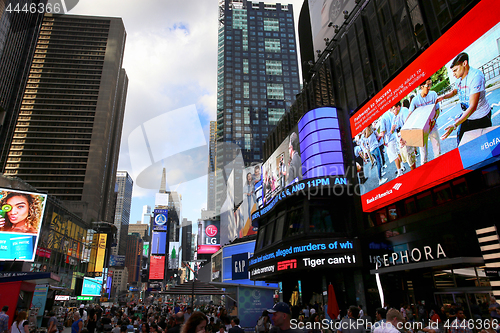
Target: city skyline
column 162, row 80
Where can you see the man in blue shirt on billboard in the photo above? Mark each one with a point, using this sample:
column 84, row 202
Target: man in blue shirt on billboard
column 470, row 87
column 426, row 97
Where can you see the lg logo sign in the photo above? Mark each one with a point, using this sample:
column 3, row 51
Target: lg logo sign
column 211, row 230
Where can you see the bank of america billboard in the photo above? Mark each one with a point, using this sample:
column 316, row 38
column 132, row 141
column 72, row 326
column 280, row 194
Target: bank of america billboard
column 413, row 135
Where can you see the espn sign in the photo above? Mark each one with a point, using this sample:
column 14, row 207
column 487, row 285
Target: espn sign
column 287, row 264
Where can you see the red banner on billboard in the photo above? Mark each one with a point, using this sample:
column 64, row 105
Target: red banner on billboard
column 157, row 268
column 426, row 176
column 208, row 249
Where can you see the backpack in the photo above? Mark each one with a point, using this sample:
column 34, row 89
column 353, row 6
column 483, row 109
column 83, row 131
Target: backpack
column 261, row 327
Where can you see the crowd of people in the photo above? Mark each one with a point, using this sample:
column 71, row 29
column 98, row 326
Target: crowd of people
column 282, row 318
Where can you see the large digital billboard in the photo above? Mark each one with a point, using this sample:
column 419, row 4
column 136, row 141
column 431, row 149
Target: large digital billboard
column 209, row 236
column 97, row 255
column 116, row 260
column 159, row 243
column 91, row 287
column 21, row 217
column 160, row 219
column 437, row 119
column 252, row 194
column 312, row 150
column 157, row 267
column 173, row 255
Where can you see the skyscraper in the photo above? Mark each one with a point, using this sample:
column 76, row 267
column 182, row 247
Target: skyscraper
column 146, row 215
column 18, row 35
column 211, row 166
column 122, row 212
column 257, row 80
column 67, row 136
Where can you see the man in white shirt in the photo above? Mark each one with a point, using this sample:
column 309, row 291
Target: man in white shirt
column 394, row 320
column 470, row 87
column 426, row 97
column 83, row 313
column 407, row 153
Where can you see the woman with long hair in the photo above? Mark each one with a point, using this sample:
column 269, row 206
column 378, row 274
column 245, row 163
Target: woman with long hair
column 196, row 323
column 24, row 212
column 250, row 194
column 20, row 325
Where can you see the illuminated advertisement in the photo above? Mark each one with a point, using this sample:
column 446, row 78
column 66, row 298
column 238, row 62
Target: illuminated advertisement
column 21, row 215
column 67, row 237
column 157, row 267
column 207, row 249
column 116, row 260
column 209, row 236
column 229, row 224
column 309, row 157
column 307, row 255
column 312, row 150
column 101, row 251
column 160, row 219
column 97, row 255
column 173, row 255
column 252, row 195
column 436, row 120
column 159, row 243
column 91, row 287
column 325, row 16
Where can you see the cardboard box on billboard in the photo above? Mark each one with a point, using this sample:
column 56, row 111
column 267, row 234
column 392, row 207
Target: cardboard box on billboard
column 416, row 129
column 474, row 134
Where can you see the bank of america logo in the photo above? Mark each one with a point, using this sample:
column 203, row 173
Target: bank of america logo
column 397, row 186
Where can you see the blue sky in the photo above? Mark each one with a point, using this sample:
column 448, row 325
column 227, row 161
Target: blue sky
column 171, row 62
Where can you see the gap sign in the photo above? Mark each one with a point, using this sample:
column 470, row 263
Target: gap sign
column 239, row 266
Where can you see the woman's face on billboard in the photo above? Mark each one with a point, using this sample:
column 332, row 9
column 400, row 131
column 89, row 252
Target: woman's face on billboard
column 20, row 209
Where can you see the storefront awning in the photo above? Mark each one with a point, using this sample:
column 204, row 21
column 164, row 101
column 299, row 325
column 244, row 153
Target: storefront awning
column 33, row 277
column 430, row 263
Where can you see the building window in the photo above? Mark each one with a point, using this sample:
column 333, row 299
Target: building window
column 272, row 45
column 271, row 24
column 275, row 91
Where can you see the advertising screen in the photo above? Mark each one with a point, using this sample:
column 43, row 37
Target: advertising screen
column 159, row 243
column 21, row 217
column 101, row 252
column 312, row 150
column 437, row 119
column 173, row 255
column 91, row 287
column 116, row 260
column 160, row 219
column 208, row 249
column 252, row 195
column 157, row 267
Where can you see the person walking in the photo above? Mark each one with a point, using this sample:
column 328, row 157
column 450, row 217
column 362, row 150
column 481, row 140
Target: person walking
column 235, row 326
column 20, row 325
column 77, row 323
column 4, row 320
